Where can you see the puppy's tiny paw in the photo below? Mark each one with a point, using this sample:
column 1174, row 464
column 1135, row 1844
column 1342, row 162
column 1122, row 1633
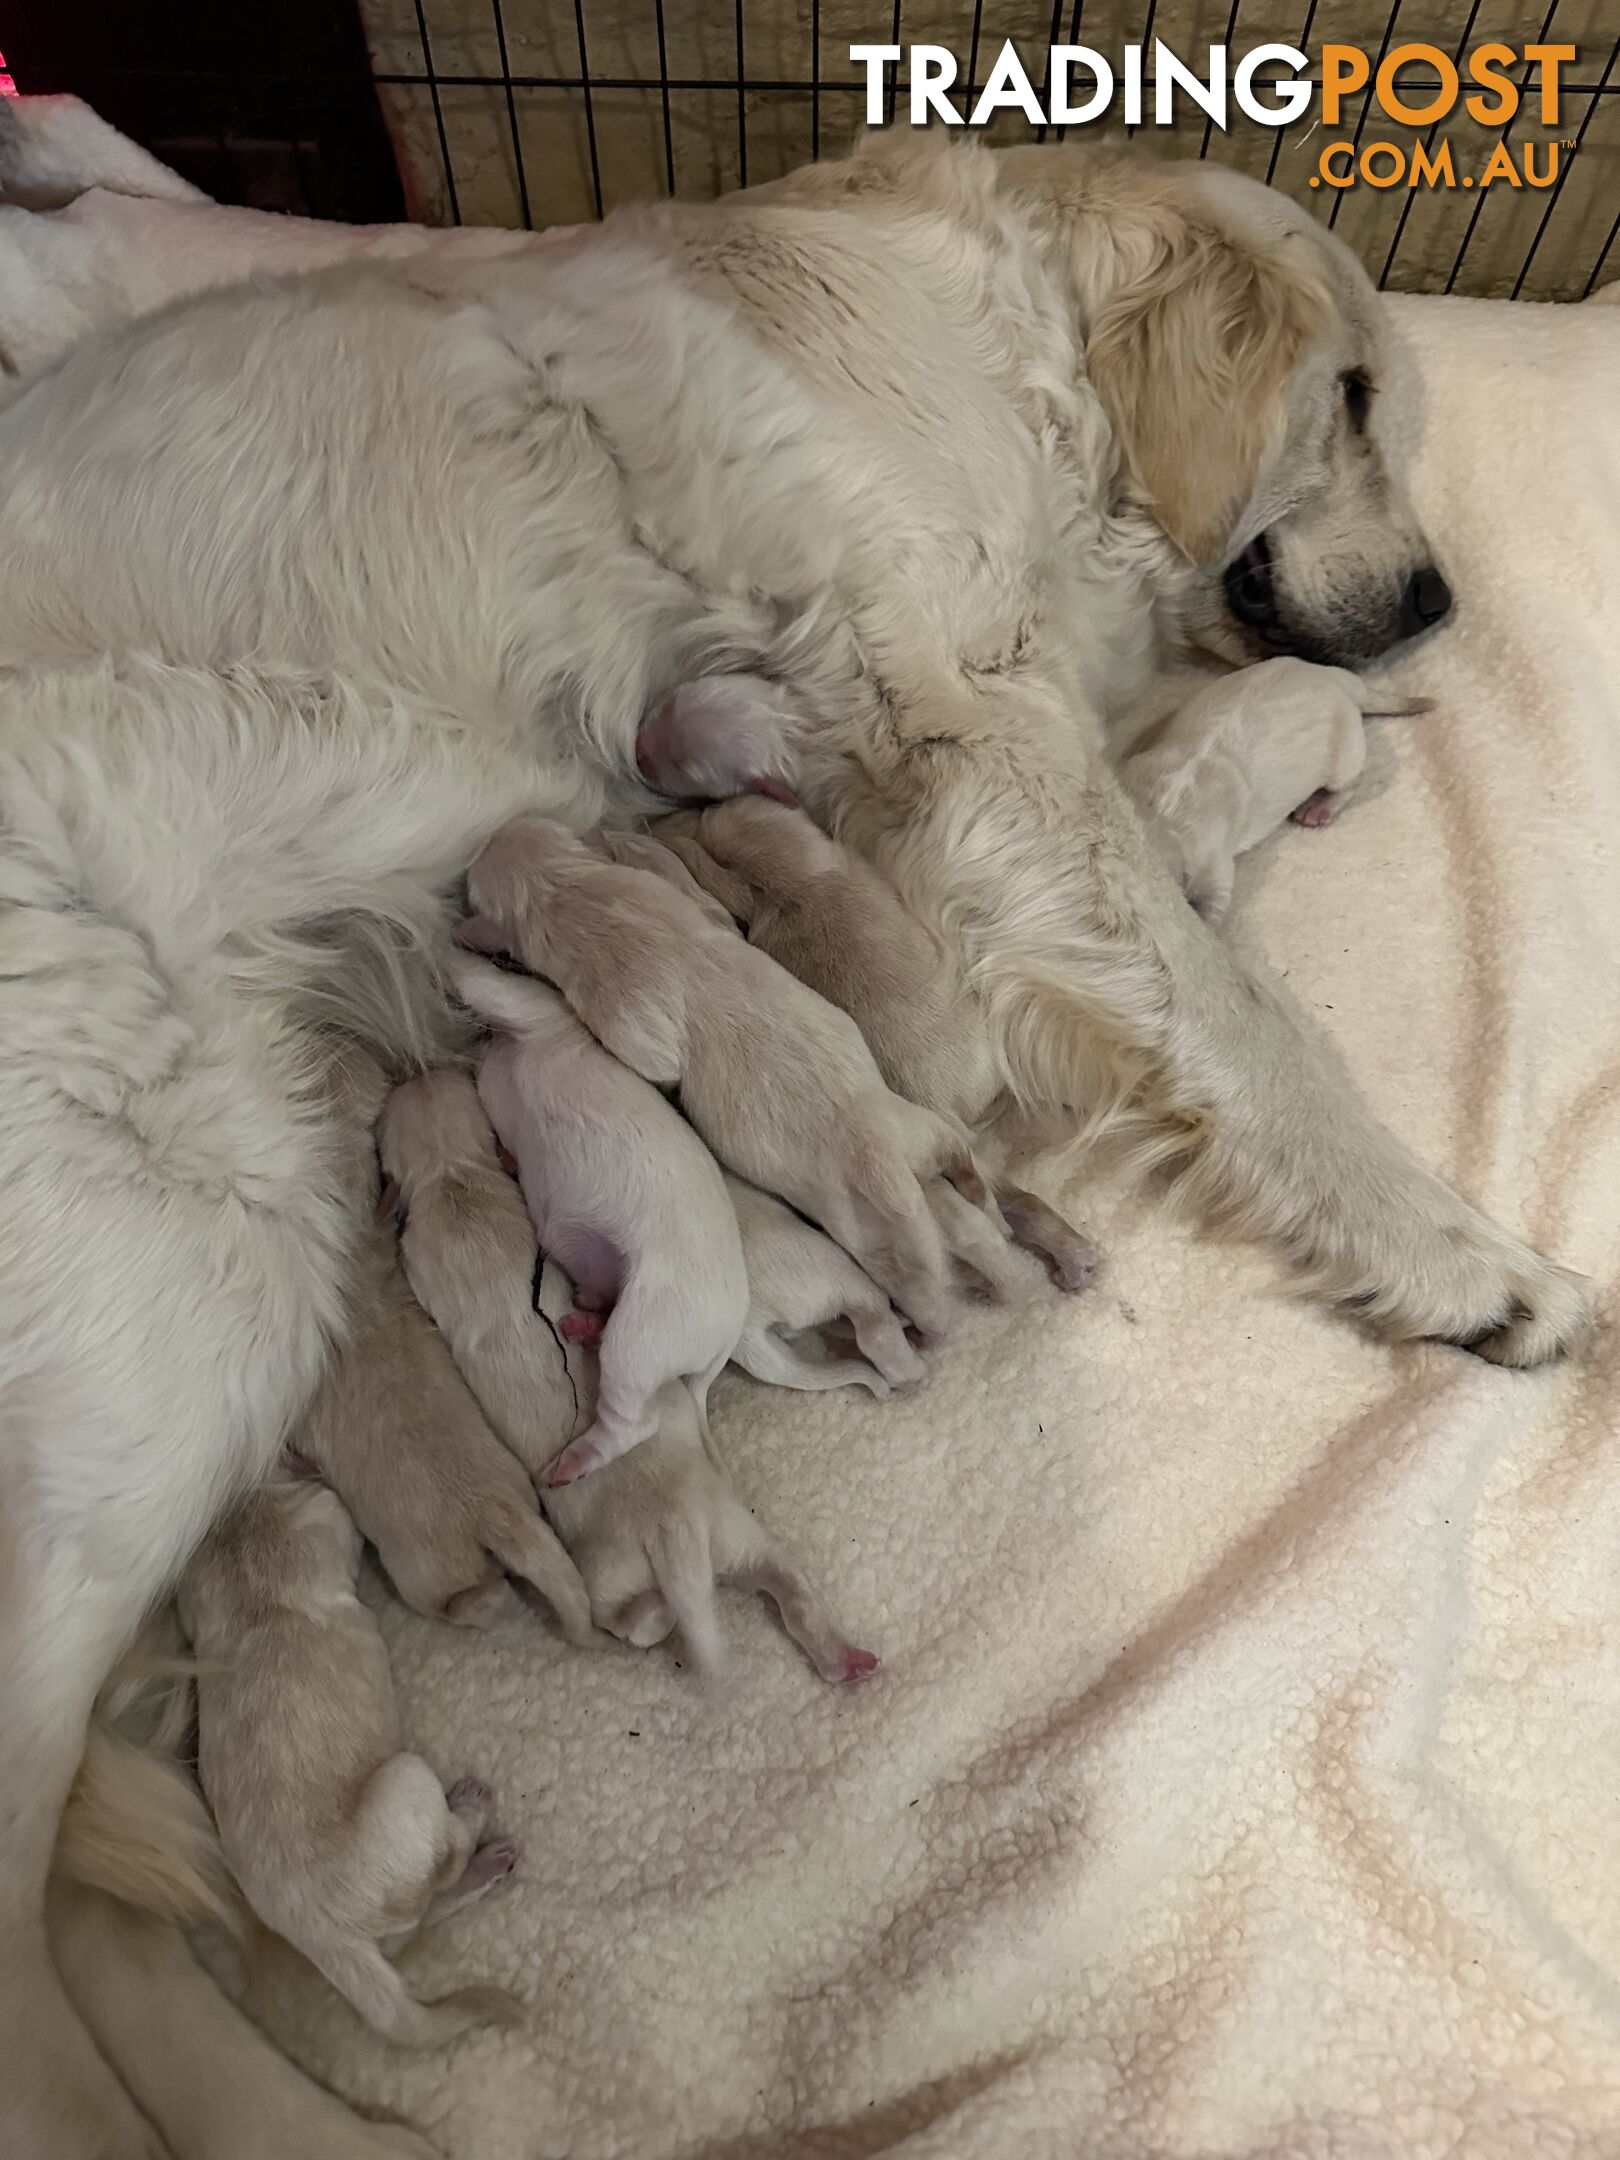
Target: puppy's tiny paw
column 469, row 1796
column 492, row 1863
column 1318, row 809
column 855, row 1666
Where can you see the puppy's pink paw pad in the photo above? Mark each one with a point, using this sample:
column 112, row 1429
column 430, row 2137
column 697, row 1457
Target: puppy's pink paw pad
column 1316, row 810
column 570, row 1464
column 585, row 1327
column 1077, row 1270
column 857, row 1665
column 492, row 1863
column 468, row 1794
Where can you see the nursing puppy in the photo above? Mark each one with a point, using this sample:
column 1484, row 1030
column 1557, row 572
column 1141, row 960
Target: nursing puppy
column 623, row 1194
column 642, row 851
column 837, row 923
column 777, row 1081
column 469, row 1251
column 651, row 1530
column 341, row 1841
column 797, row 1280
column 1282, row 739
column 396, row 1433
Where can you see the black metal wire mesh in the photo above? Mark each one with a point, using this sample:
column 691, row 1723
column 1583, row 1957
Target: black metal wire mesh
column 1553, row 243
column 539, row 112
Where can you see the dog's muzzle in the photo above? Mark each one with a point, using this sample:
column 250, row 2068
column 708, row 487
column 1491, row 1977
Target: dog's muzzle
column 1251, row 591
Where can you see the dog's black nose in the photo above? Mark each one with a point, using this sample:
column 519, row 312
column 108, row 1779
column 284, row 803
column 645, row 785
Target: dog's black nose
column 1426, row 601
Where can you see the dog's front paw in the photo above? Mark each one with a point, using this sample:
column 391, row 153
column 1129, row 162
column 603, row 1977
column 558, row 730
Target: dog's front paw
column 1548, row 1308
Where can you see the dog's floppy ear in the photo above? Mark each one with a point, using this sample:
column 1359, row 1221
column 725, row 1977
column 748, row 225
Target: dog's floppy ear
column 1192, row 356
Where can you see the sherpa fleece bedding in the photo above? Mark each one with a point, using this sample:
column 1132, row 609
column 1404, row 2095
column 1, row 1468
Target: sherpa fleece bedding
column 1243, row 1775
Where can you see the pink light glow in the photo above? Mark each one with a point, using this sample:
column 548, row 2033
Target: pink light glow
column 7, row 87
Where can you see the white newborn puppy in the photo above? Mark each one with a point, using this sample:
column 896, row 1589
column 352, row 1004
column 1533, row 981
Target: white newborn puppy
column 341, row 1841
column 656, row 1530
column 625, row 1196
column 470, row 1255
column 1282, row 739
column 395, row 1431
column 797, row 1280
column 721, row 735
column 779, row 1083
column 651, row 1530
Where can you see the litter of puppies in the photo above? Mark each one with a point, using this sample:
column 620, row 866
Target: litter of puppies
column 725, row 1113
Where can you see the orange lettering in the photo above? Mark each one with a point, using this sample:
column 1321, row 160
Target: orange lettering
column 1552, row 58
column 1485, row 68
column 1344, row 67
column 1389, row 95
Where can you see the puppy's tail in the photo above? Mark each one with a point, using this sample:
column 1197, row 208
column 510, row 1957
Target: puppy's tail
column 684, row 1571
column 531, row 1548
column 376, row 1989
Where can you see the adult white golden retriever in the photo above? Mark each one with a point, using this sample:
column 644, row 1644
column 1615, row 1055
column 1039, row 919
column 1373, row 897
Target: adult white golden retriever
column 304, row 586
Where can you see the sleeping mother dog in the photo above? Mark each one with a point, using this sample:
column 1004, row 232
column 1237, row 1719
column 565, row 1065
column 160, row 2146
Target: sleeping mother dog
column 307, row 585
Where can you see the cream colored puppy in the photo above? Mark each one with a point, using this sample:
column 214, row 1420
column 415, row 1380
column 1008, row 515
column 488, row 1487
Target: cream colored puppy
column 778, row 1082
column 624, row 1194
column 797, row 1280
column 395, row 1431
column 470, row 1254
column 833, row 920
column 1247, row 751
column 651, row 1530
column 341, row 1841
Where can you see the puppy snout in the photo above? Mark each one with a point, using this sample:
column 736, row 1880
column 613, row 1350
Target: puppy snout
column 1426, row 601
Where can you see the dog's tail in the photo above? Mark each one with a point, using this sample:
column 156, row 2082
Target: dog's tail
column 528, row 1546
column 135, row 1825
column 684, row 1571
column 376, row 1989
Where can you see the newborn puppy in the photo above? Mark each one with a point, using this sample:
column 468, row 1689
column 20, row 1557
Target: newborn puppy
column 642, row 852
column 396, row 1433
column 469, row 1251
column 835, row 922
column 655, row 1531
column 779, row 1083
column 340, row 1840
column 1247, row 751
column 798, row 1279
column 721, row 735
column 623, row 1194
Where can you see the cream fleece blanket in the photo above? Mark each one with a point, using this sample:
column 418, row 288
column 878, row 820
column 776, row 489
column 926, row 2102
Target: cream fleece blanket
column 1243, row 1776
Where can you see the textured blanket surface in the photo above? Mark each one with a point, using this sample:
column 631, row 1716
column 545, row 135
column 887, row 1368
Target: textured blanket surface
column 1243, row 1776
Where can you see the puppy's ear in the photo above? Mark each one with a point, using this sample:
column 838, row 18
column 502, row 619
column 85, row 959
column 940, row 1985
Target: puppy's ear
column 1192, row 358
column 479, row 934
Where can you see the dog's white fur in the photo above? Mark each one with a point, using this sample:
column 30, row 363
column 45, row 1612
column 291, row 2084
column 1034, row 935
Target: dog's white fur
column 951, row 445
column 1245, row 752
column 625, row 1195
column 799, row 1280
column 340, row 1839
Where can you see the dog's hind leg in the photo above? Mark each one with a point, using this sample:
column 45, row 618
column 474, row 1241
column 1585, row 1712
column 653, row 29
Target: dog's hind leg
column 207, row 2078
